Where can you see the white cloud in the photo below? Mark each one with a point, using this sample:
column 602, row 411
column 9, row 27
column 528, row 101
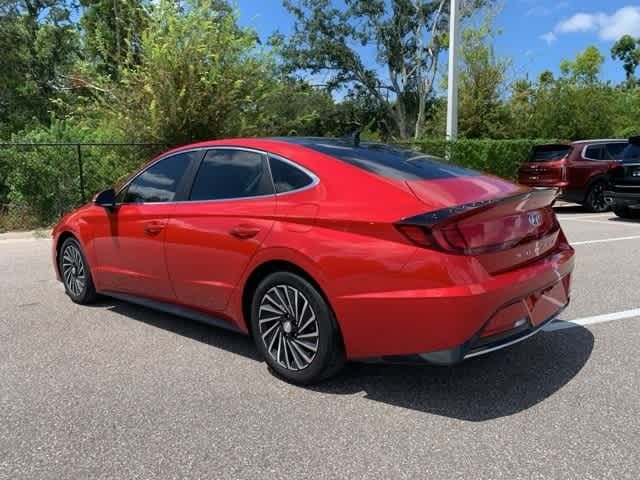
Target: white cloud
column 549, row 37
column 625, row 21
column 580, row 22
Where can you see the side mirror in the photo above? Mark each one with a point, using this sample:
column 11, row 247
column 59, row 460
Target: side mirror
column 106, row 199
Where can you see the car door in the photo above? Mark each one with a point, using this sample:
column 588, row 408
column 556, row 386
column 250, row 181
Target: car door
column 130, row 245
column 591, row 162
column 211, row 238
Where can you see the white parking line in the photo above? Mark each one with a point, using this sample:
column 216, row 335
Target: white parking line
column 604, row 240
column 608, row 222
column 578, row 217
column 581, row 322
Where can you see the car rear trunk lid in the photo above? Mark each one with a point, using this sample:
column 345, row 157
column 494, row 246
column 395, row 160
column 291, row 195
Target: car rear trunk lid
column 502, row 233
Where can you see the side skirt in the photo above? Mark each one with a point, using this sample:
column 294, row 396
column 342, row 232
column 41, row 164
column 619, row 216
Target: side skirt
column 174, row 310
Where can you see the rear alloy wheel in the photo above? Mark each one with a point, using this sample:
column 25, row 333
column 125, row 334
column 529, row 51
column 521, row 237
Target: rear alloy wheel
column 75, row 273
column 595, row 201
column 295, row 330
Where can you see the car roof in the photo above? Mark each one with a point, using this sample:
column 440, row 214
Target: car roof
column 344, row 142
column 600, row 140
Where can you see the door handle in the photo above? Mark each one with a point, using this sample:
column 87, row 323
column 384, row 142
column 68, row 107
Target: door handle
column 153, row 228
column 245, row 231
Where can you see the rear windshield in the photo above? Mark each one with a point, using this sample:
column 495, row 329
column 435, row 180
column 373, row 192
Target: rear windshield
column 392, row 162
column 631, row 154
column 548, row 153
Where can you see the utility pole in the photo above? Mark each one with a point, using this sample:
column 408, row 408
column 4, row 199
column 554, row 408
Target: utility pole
column 452, row 93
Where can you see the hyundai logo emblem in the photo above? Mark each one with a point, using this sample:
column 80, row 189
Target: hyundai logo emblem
column 535, row 219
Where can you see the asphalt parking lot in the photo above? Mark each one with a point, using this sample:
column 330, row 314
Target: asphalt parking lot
column 117, row 391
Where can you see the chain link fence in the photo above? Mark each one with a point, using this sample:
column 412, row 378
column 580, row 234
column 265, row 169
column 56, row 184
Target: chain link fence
column 39, row 182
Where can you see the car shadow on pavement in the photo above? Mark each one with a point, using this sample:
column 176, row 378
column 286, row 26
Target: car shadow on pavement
column 496, row 385
column 216, row 337
column 570, row 209
column 635, row 220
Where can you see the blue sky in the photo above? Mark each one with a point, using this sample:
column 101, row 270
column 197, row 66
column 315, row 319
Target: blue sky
column 536, row 34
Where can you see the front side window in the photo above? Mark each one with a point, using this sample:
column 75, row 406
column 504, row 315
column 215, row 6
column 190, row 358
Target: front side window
column 228, row 174
column 615, row 149
column 159, row 182
column 631, row 153
column 287, row 177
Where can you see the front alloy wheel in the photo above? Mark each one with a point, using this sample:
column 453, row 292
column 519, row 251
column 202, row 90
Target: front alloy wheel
column 295, row 330
column 75, row 272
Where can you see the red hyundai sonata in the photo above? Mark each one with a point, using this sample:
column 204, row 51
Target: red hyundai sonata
column 325, row 250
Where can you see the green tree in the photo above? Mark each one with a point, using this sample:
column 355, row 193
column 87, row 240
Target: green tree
column 111, row 33
column 520, row 106
column 408, row 37
column 627, row 50
column 586, row 67
column 200, row 76
column 482, row 112
column 293, row 107
column 39, row 44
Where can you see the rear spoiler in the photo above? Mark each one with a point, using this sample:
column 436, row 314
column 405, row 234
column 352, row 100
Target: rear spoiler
column 537, row 198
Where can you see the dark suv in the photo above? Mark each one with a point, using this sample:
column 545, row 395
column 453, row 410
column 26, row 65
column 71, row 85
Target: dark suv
column 624, row 189
column 579, row 169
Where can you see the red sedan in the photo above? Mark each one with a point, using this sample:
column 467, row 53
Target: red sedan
column 325, row 250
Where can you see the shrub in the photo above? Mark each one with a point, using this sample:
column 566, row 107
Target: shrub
column 46, row 179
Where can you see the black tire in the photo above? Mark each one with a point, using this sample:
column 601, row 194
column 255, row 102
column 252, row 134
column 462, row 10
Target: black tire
column 623, row 212
column 594, row 201
column 293, row 330
column 75, row 273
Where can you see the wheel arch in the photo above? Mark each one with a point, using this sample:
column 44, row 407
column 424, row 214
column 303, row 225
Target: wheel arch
column 62, row 237
column 600, row 177
column 268, row 267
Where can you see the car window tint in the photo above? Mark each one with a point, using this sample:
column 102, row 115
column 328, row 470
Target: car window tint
column 549, row 153
column 287, row 177
column 391, row 162
column 631, row 153
column 120, row 196
column 615, row 150
column 594, row 152
column 160, row 181
column 228, row 174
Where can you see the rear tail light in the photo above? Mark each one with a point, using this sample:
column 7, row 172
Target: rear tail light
column 484, row 227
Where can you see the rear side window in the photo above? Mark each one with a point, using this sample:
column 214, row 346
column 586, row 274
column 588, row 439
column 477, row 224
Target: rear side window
column 287, row 177
column 392, row 162
column 595, row 152
column 549, row 153
column 228, row 174
column 159, row 182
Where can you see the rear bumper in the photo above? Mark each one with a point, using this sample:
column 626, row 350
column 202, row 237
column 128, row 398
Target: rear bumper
column 540, row 183
column 479, row 345
column 446, row 325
